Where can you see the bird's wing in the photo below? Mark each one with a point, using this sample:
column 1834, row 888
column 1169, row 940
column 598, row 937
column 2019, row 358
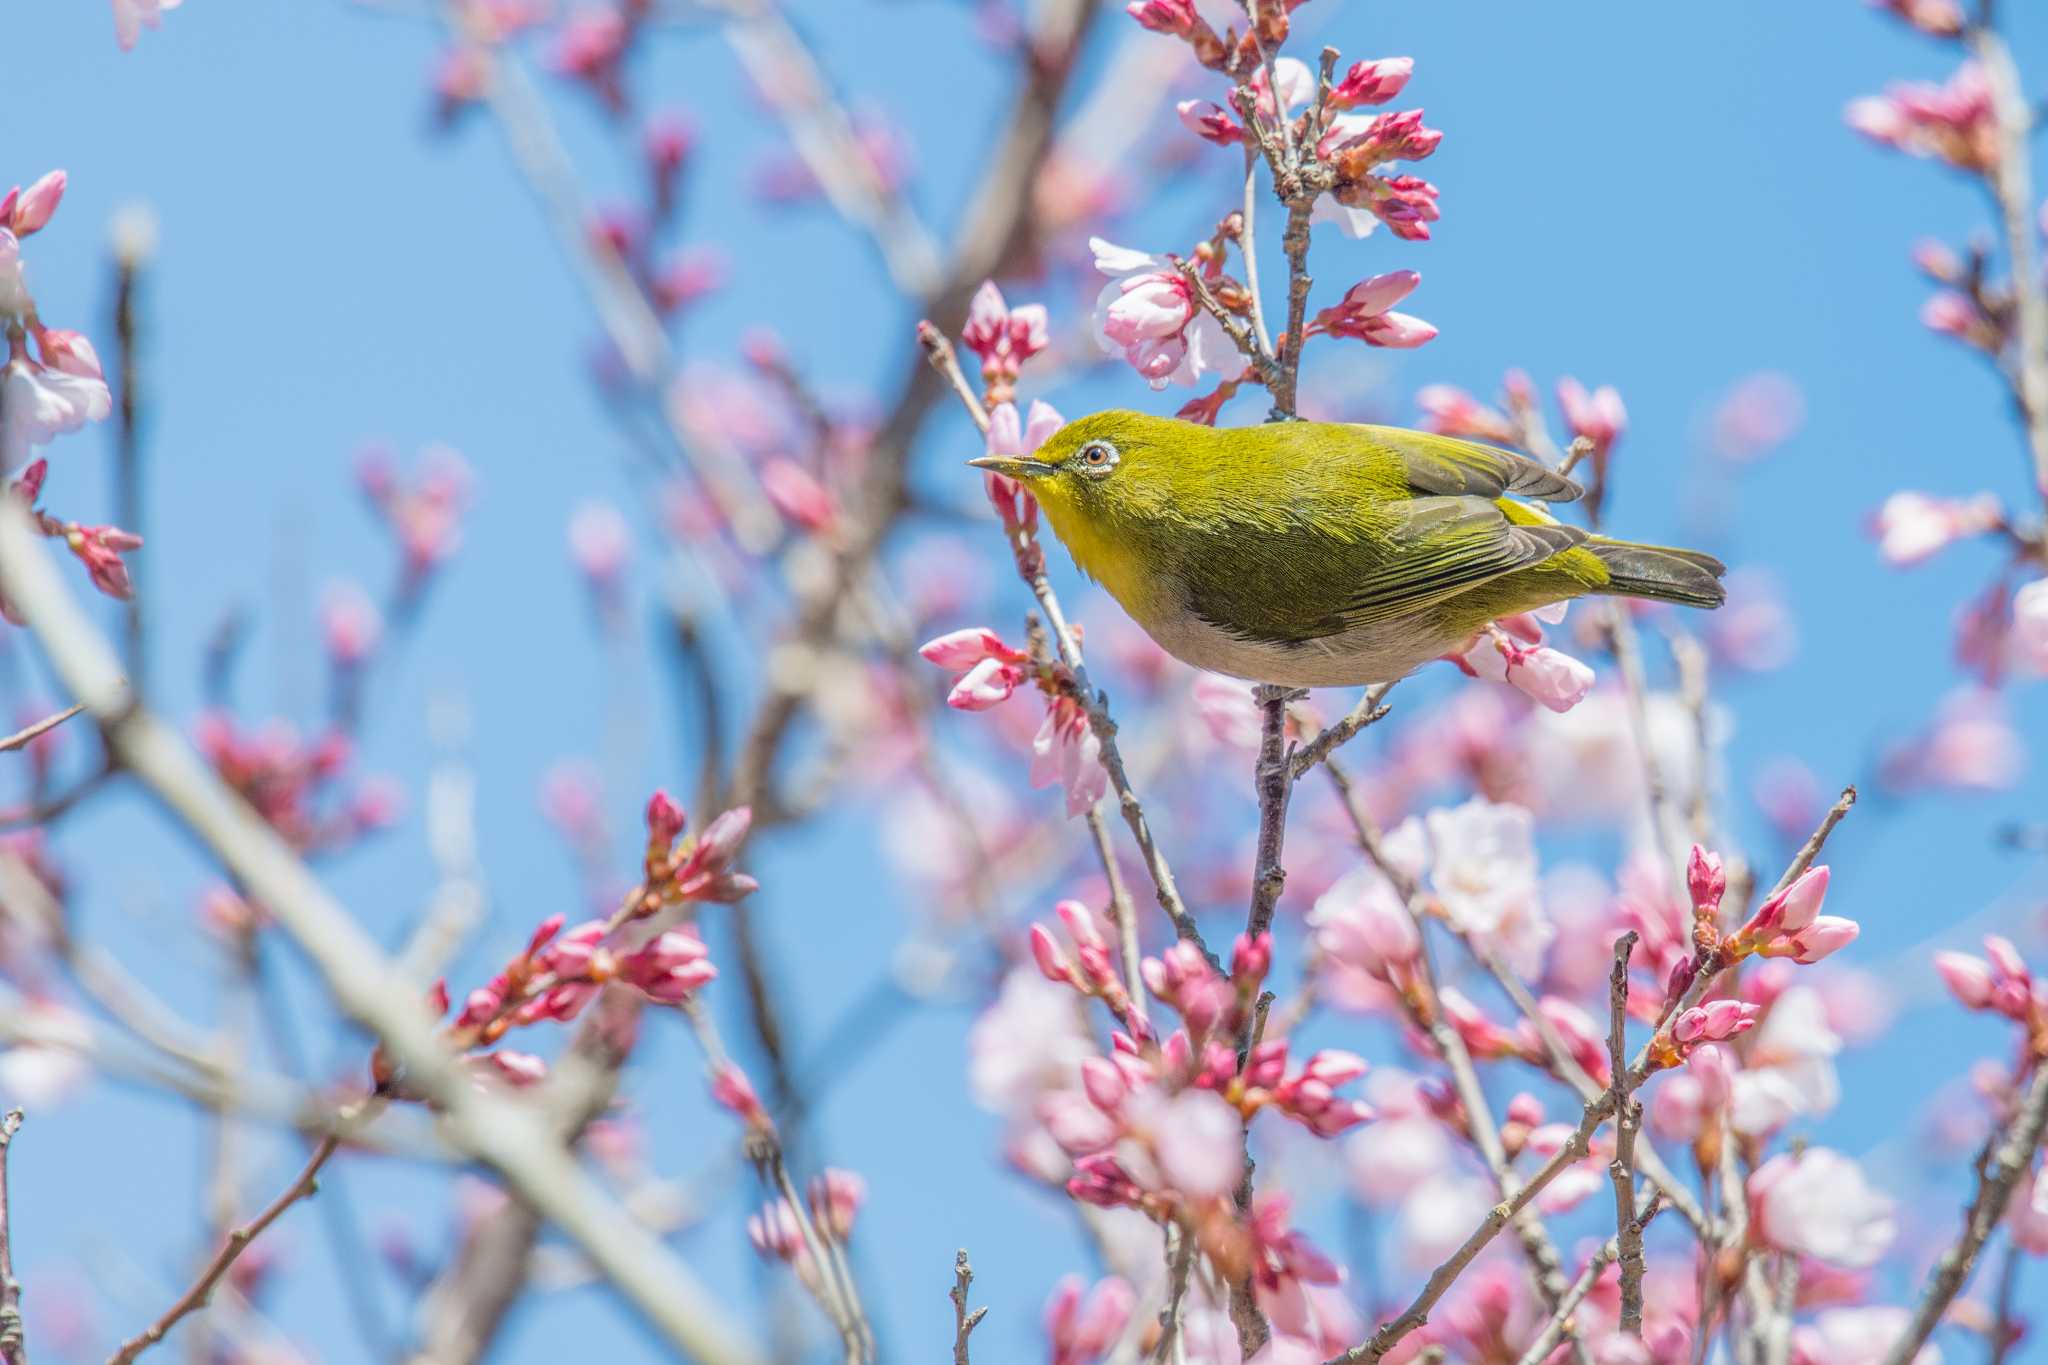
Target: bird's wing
column 1448, row 466
column 1446, row 545
column 1302, row 583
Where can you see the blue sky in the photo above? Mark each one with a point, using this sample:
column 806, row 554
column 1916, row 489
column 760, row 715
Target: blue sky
column 1658, row 197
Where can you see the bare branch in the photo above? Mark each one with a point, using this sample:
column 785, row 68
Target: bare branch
column 1368, row 711
column 2011, row 183
column 964, row 1322
column 22, row 738
column 501, row 1134
column 2013, row 1155
column 1628, row 1119
column 13, row 1347
column 237, row 1242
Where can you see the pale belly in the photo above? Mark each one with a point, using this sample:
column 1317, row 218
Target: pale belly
column 1367, row 654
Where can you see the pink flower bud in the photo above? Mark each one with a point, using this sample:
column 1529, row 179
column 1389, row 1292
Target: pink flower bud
column 1210, row 122
column 1549, row 677
column 1052, row 963
column 70, row 352
column 721, row 840
column 1706, row 880
column 1968, row 978
column 665, row 819
column 836, row 1196
column 731, row 1088
column 2005, row 958
column 803, row 501
column 1251, row 959
column 1715, row 1021
column 543, row 932
column 1266, row 1064
column 1525, row 1109
column 1104, row 1083
column 668, row 967
column 34, row 206
column 1373, row 82
column 962, row 649
column 1824, row 935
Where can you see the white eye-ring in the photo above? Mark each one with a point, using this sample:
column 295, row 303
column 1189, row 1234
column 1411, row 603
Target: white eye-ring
column 1096, row 459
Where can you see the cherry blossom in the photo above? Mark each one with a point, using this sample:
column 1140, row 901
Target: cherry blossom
column 1366, row 313
column 133, row 16
column 1952, row 121
column 1912, row 527
column 1817, row 1203
column 1148, row 314
column 1483, row 866
column 1082, row 1332
column 2030, row 627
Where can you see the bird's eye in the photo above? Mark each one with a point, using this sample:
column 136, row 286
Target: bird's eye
column 1097, row 458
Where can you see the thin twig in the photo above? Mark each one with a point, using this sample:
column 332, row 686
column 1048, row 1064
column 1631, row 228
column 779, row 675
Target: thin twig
column 1273, row 780
column 13, row 1347
column 1248, row 248
column 1179, row 1272
column 23, row 738
column 2013, row 1155
column 237, row 1242
column 1392, row 1333
column 964, row 1321
column 1368, row 711
column 1560, row 1322
column 1628, row 1118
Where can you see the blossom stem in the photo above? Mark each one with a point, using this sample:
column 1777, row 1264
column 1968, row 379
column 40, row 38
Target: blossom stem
column 12, row 1348
column 23, row 737
column 964, row 1321
column 1248, row 248
column 2014, row 1153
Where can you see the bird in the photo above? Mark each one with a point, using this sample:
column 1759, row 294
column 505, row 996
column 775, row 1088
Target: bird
column 1325, row 554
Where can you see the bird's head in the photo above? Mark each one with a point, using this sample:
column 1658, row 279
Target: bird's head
column 1106, row 468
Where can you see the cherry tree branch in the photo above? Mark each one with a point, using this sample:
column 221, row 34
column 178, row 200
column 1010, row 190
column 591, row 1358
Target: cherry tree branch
column 501, row 1134
column 2012, row 185
column 22, row 738
column 238, row 1240
column 2012, row 1156
column 964, row 1321
column 13, row 1347
column 1628, row 1120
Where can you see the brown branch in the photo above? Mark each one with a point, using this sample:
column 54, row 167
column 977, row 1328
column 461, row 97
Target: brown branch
column 2011, row 184
column 13, row 1349
column 237, row 1242
column 1628, row 1120
column 964, row 1322
column 1391, row 1333
column 1560, row 1322
column 1273, row 780
column 1368, row 711
column 1179, row 1271
column 1996, row 1177
column 23, row 738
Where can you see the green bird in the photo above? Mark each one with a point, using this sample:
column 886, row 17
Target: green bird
column 1325, row 554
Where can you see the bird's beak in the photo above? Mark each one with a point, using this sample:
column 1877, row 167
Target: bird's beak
column 1013, row 466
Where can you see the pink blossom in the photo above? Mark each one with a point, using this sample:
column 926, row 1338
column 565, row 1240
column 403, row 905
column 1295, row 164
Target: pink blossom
column 1361, row 924
column 1597, row 415
column 599, row 542
column 1857, row 1336
column 1550, row 677
column 1483, row 865
column 1008, row 434
column 1147, row 312
column 1912, row 527
column 1939, row 19
column 1453, row 412
column 1705, row 880
column 38, row 404
column 1210, row 122
column 1356, row 143
column 1176, row 17
column 836, row 1196
column 350, row 624
column 668, row 967
column 1066, row 751
column 1788, row 1070
column 776, row 1233
column 1970, row 746
column 1759, row 414
column 1079, row 1333
column 132, row 16
column 70, row 352
column 31, row 209
column 731, row 1088
column 1227, row 710
column 1004, row 337
column 2027, row 1215
column 1968, row 978
column 1373, row 82
column 1953, row 122
column 797, row 494
column 14, row 296
column 1366, row 313
column 2030, row 627
column 1818, row 1204
column 1714, row 1022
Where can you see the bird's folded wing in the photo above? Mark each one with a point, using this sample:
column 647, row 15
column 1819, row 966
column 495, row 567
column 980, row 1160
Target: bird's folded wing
column 1446, row 465
column 1446, row 545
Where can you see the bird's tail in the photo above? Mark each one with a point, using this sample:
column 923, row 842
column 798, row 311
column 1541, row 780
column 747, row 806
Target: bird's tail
column 1660, row 573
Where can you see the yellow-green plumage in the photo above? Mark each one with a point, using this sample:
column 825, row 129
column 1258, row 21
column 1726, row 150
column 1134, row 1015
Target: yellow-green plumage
column 1321, row 553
